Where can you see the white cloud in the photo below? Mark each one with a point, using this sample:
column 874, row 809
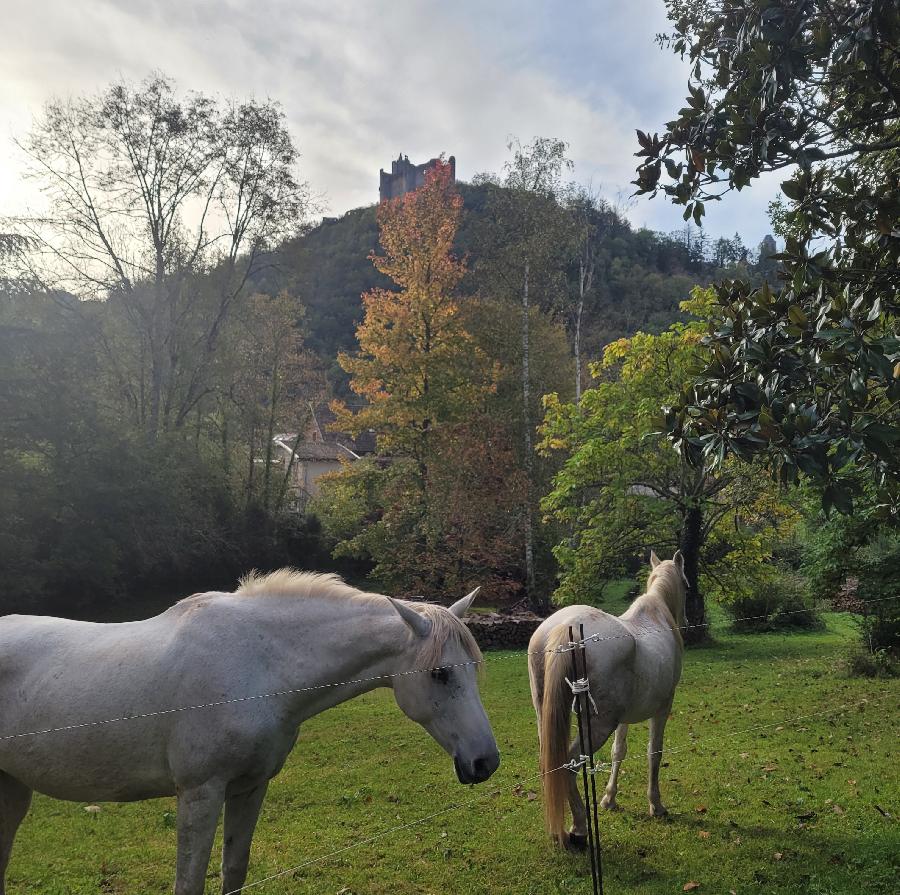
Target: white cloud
column 361, row 81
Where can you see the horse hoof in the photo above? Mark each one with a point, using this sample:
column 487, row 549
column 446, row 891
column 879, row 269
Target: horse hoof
column 608, row 804
column 577, row 842
column 658, row 811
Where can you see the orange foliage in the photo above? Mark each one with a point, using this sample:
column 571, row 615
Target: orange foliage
column 417, row 367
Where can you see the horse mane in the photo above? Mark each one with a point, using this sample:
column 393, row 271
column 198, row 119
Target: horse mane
column 663, row 597
column 445, row 628
column 292, row 583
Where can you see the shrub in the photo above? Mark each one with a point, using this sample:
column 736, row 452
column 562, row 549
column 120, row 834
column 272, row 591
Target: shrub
column 862, row 663
column 877, row 565
column 778, row 598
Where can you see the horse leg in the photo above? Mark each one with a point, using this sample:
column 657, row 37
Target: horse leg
column 600, row 731
column 15, row 798
column 619, row 750
column 578, row 830
column 198, row 816
column 241, row 814
column 654, row 758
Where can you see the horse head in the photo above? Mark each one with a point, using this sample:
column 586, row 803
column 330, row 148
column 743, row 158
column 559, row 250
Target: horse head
column 441, row 691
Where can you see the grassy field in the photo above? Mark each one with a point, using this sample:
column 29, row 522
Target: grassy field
column 781, row 776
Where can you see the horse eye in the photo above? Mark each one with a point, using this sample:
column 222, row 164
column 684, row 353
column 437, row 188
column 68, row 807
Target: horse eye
column 441, row 674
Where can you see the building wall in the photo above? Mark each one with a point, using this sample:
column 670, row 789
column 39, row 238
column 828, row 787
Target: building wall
column 307, row 473
column 405, row 177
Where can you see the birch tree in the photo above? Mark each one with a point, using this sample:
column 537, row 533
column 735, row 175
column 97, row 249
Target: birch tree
column 527, row 244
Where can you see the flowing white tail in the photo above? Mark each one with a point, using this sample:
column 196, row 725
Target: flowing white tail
column 556, row 724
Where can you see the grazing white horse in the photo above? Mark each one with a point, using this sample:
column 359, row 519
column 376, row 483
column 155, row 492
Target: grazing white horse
column 290, row 634
column 634, row 664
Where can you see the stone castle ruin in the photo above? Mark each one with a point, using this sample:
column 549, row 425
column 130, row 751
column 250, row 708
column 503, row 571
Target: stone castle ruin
column 406, row 177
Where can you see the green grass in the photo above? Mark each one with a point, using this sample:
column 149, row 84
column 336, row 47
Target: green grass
column 755, row 805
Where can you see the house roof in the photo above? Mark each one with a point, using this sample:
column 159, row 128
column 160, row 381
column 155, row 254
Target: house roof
column 318, row 442
column 322, row 419
column 312, row 450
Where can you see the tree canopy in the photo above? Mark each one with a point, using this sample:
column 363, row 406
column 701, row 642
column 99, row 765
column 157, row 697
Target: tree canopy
column 620, row 490
column 806, row 372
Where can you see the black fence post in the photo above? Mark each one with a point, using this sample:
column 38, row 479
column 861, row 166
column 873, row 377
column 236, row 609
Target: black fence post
column 582, row 704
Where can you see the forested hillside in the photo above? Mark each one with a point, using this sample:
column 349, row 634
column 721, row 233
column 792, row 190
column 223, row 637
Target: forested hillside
column 150, row 360
column 640, row 277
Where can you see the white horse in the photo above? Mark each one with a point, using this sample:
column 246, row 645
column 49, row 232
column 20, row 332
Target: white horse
column 634, row 664
column 290, row 634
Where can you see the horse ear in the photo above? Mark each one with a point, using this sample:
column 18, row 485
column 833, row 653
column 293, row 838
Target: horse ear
column 654, row 559
column 461, row 607
column 678, row 559
column 417, row 623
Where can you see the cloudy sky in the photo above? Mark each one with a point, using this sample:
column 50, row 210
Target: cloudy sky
column 361, row 81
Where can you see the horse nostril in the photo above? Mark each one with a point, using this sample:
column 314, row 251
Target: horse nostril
column 482, row 768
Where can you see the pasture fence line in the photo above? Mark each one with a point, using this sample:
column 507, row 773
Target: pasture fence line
column 597, row 638
column 156, row 713
column 583, row 706
column 456, row 806
column 571, row 766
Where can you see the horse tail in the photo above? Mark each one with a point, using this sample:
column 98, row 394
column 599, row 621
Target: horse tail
column 556, row 722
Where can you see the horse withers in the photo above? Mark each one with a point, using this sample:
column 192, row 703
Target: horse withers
column 634, row 664
column 180, row 692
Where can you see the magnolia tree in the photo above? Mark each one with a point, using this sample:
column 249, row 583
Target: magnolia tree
column 807, row 371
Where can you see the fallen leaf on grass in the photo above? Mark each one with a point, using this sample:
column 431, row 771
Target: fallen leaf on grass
column 700, row 809
column 838, row 810
column 778, row 856
column 93, row 809
column 690, row 886
column 703, row 834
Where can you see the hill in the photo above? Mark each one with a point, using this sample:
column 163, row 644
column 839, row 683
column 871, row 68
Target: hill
column 641, row 277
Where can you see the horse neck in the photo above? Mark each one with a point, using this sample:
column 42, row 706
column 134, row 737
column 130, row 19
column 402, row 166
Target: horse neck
column 341, row 649
column 668, row 594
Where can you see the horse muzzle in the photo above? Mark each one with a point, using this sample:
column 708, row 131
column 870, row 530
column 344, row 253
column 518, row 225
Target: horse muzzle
column 476, row 771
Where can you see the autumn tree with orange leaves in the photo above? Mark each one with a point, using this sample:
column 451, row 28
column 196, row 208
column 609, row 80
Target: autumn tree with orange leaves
column 441, row 513
column 417, row 368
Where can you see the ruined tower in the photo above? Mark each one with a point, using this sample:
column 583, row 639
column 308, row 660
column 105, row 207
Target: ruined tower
column 406, row 177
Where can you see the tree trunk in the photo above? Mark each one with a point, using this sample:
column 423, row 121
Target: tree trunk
column 696, row 630
column 270, row 438
column 581, row 290
column 530, row 588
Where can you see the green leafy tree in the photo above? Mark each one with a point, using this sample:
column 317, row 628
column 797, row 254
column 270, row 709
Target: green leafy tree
column 857, row 557
column 807, row 374
column 622, row 490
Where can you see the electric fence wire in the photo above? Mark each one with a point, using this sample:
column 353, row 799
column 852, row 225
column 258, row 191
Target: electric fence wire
column 494, row 792
column 135, row 716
